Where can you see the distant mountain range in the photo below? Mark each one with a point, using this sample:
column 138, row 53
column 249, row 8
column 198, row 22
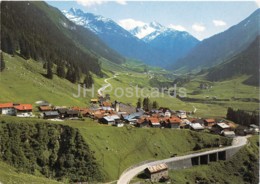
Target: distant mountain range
column 41, row 32
column 244, row 63
column 152, row 43
column 221, row 47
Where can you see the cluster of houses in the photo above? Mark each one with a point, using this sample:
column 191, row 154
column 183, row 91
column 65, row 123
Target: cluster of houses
column 16, row 109
column 120, row 114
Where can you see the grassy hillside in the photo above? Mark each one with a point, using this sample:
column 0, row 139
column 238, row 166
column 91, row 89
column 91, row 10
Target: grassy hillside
column 55, row 151
column 116, row 149
column 245, row 63
column 10, row 175
column 243, row 168
column 23, row 81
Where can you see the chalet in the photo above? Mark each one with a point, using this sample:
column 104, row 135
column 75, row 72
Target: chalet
column 253, row 129
column 157, row 173
column 23, row 110
column 219, row 128
column 174, row 122
column 142, row 122
column 45, row 108
column 7, row 109
column 132, row 118
column 62, row 112
column 154, row 122
column 121, row 107
column 196, row 127
column 51, row 115
column 71, row 114
column 119, row 123
column 167, row 113
column 181, row 114
column 94, row 101
column 109, row 120
column 106, row 104
column 230, row 134
column 209, row 122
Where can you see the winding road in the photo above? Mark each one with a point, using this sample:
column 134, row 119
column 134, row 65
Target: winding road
column 131, row 172
column 100, row 90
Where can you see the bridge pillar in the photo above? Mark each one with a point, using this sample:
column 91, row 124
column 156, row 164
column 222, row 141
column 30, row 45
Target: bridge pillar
column 195, row 161
column 222, row 155
column 204, row 160
column 213, row 157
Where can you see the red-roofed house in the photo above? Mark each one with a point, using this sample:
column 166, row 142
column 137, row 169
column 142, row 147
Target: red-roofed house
column 24, row 110
column 7, row 109
column 209, row 122
column 154, row 122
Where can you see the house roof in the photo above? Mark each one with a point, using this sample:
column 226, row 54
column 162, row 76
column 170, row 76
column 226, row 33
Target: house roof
column 209, row 120
column 227, row 133
column 133, row 115
column 51, row 113
column 72, row 112
column 157, row 168
column 63, row 110
column 94, row 100
column 154, row 120
column 6, row 105
column 22, row 107
column 174, row 119
column 45, row 108
column 223, row 125
column 111, row 118
column 106, row 104
column 196, row 126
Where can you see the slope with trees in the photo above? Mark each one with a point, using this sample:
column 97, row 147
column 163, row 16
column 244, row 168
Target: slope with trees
column 56, row 151
column 38, row 31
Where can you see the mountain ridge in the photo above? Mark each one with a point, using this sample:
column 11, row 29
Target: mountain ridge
column 222, row 46
column 130, row 45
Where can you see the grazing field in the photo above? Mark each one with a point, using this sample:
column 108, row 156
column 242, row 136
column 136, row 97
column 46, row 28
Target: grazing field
column 119, row 148
column 23, row 81
column 10, row 175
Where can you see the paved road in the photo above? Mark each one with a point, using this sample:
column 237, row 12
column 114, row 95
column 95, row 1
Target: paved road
column 129, row 174
column 100, row 90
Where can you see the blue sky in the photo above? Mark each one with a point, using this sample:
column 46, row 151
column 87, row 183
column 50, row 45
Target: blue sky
column 202, row 19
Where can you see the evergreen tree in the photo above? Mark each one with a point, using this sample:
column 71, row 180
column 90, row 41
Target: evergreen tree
column 155, row 105
column 146, row 104
column 72, row 75
column 61, row 71
column 8, row 45
column 49, row 71
column 69, row 74
column 139, row 103
column 88, row 81
column 45, row 65
column 2, row 63
column 24, row 48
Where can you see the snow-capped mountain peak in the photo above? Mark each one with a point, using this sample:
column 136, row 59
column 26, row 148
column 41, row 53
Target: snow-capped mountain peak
column 87, row 20
column 142, row 31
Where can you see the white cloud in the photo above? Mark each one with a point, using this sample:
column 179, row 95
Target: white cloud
column 129, row 24
column 258, row 3
column 198, row 27
column 218, row 23
column 122, row 2
column 89, row 3
column 177, row 27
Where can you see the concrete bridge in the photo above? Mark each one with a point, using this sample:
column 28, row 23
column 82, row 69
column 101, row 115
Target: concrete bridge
column 187, row 161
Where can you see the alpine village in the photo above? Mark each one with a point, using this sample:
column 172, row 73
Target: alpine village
column 84, row 99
